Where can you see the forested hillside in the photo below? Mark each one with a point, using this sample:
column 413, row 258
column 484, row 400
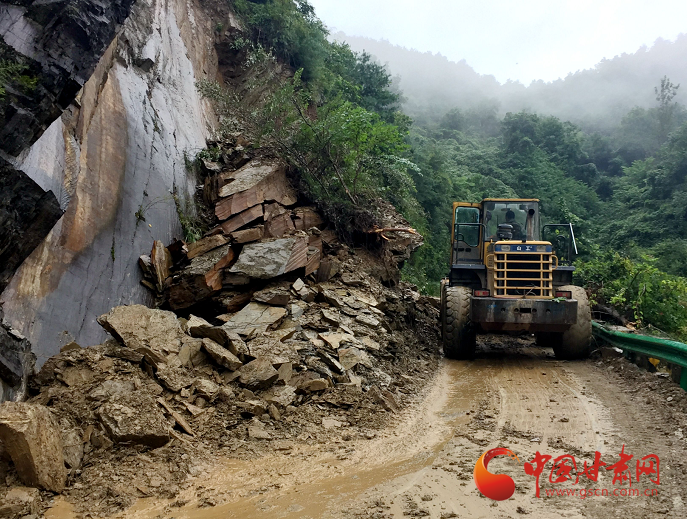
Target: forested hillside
column 598, row 97
column 339, row 122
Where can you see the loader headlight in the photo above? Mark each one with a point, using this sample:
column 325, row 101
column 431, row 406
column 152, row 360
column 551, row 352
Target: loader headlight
column 541, row 248
column 505, row 248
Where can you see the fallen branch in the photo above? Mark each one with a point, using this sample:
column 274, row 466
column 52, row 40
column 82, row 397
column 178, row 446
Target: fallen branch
column 394, row 229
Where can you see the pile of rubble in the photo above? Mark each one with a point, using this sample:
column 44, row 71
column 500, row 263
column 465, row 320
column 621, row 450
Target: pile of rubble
column 273, row 332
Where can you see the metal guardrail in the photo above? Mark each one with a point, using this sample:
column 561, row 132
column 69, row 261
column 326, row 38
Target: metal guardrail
column 662, row 349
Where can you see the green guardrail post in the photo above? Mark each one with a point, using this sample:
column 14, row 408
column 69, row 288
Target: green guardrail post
column 634, row 344
column 683, row 378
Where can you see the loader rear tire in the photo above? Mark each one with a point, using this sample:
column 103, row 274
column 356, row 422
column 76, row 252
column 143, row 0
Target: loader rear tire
column 576, row 341
column 459, row 336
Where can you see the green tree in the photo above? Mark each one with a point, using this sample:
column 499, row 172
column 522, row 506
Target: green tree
column 665, row 93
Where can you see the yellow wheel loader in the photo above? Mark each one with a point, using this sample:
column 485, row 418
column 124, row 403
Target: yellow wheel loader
column 509, row 275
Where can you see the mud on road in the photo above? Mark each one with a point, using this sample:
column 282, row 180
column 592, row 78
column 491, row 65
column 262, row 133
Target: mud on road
column 513, row 395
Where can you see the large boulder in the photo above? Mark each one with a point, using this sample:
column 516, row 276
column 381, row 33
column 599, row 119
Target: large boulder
column 135, row 418
column 269, row 259
column 33, row 441
column 139, row 326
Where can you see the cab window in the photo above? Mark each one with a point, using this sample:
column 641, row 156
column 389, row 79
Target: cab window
column 469, row 231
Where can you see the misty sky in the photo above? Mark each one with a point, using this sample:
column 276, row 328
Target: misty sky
column 512, row 39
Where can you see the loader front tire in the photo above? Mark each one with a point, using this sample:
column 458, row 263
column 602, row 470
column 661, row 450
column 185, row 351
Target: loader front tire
column 459, row 336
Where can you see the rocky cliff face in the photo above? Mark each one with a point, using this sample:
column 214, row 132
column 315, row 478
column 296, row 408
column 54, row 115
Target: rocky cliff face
column 59, row 44
column 16, row 362
column 113, row 160
column 27, row 213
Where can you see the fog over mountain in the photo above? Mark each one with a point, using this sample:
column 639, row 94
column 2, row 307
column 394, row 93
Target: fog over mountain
column 596, row 98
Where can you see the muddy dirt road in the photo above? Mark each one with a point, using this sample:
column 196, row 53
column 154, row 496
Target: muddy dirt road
column 513, row 395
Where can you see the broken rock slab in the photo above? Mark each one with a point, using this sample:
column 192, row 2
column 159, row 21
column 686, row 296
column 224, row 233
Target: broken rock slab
column 199, row 328
column 222, row 335
column 279, row 225
column 255, row 317
column 368, row 320
column 336, row 339
column 139, row 326
column 350, row 357
column 279, row 295
column 233, row 300
column 135, row 418
column 201, row 279
column 307, row 217
column 384, row 397
column 174, row 379
column 257, row 432
column 110, row 388
column 191, row 354
column 273, row 349
column 242, row 219
column 252, row 407
column 161, row 263
column 269, row 259
column 280, row 395
column 308, row 382
column 257, row 374
column 20, row 502
column 248, row 235
column 32, row 439
column 253, row 184
column 205, row 245
column 205, row 388
column 221, row 355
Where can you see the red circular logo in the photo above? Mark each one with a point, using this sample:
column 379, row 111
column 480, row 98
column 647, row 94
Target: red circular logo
column 498, row 487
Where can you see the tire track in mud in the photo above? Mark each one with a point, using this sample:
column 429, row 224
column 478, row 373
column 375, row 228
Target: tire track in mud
column 512, row 395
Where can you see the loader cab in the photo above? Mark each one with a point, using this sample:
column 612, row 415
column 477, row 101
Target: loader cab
column 478, row 228
column 477, row 225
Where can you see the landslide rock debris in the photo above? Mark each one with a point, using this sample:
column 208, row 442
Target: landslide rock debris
column 252, row 344
column 32, row 439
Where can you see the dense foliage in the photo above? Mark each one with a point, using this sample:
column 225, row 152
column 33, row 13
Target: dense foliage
column 337, row 121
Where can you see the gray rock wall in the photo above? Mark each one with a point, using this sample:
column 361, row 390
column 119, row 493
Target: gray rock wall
column 60, row 43
column 118, row 149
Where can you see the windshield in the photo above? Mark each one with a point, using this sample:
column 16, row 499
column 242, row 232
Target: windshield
column 523, row 216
